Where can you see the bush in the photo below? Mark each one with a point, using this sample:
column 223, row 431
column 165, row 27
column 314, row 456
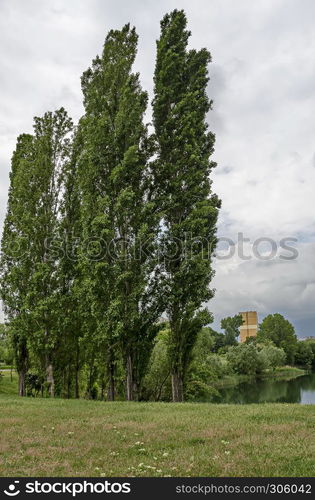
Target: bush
column 33, row 384
column 311, row 343
column 244, row 359
column 201, row 376
column 263, row 362
column 304, row 354
column 275, row 356
column 156, row 383
column 205, row 368
column 94, row 391
column 280, row 332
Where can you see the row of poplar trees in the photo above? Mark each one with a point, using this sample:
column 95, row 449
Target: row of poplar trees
column 111, row 223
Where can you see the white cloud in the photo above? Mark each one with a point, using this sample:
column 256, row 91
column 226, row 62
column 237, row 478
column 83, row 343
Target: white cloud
column 276, row 285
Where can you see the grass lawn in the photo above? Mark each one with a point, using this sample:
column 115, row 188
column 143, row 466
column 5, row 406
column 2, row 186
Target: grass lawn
column 8, row 387
column 42, row 437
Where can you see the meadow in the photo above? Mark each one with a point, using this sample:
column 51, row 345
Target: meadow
column 44, row 437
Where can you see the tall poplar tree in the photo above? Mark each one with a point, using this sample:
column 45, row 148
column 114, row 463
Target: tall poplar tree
column 117, row 208
column 69, row 353
column 188, row 209
column 51, row 154
column 16, row 259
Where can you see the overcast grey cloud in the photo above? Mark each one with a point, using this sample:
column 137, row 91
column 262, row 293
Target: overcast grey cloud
column 262, row 84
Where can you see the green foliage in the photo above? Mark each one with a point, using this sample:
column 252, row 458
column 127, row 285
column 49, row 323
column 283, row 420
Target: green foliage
column 205, row 368
column 114, row 178
column 156, row 385
column 89, row 249
column 231, row 326
column 311, row 344
column 304, row 354
column 244, row 359
column 222, row 341
column 254, row 359
column 281, row 332
column 6, row 347
column 275, row 356
column 183, row 188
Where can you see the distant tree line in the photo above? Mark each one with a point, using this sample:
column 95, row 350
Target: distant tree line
column 218, row 359
column 112, row 223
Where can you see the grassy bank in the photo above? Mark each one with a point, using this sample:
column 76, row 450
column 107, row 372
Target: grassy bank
column 42, row 437
column 285, row 373
column 281, row 373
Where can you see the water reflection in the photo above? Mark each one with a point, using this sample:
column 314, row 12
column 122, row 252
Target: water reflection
column 299, row 390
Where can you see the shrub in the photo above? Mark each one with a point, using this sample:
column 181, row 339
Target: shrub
column 201, row 376
column 244, row 359
column 311, row 343
column 275, row 356
column 304, row 354
column 156, row 383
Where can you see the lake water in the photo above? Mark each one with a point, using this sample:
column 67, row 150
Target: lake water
column 299, row 390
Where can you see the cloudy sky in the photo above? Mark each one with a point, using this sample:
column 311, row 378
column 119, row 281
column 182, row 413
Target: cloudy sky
column 263, row 87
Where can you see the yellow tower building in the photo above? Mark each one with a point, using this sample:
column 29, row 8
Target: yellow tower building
column 250, row 325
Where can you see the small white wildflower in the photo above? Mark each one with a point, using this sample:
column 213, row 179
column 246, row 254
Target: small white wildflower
column 227, row 452
column 165, row 454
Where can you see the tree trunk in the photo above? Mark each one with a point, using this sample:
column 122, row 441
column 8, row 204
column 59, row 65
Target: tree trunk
column 90, row 382
column 111, row 382
column 22, row 367
column 135, row 390
column 77, row 369
column 69, row 383
column 50, row 380
column 22, row 383
column 77, row 395
column 159, row 393
column 177, row 388
column 129, row 380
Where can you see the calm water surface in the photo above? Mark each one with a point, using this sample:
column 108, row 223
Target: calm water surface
column 299, row 390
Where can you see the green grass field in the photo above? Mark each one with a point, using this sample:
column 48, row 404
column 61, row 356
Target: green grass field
column 42, row 437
